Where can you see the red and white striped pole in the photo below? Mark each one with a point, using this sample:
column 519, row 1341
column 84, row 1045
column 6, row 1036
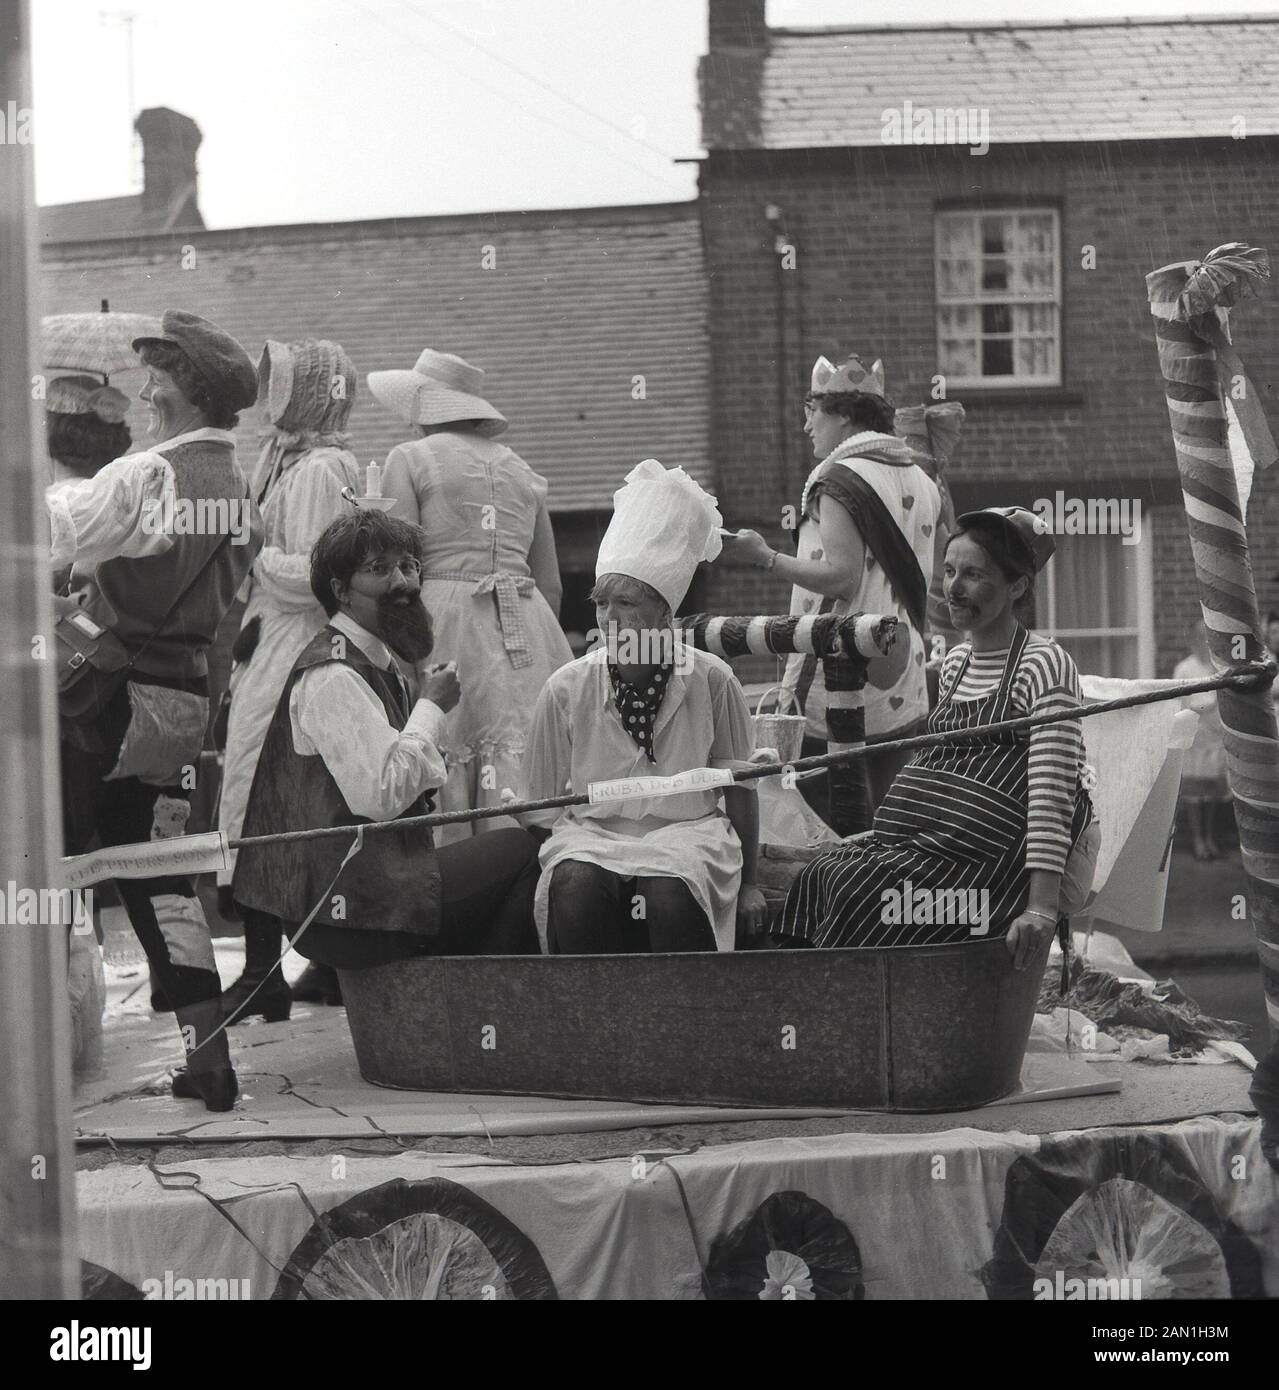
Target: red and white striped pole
column 1220, row 436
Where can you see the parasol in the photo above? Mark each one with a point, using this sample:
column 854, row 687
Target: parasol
column 100, row 343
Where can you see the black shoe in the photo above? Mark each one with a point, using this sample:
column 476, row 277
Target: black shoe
column 217, row 1089
column 318, row 984
column 227, row 909
column 272, row 1001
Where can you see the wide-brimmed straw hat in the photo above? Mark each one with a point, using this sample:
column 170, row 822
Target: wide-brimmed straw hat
column 440, row 390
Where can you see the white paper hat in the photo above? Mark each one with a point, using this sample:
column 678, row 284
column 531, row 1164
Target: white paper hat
column 664, row 525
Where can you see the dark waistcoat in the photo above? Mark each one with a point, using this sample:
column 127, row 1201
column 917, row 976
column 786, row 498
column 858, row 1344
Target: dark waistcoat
column 132, row 595
column 392, row 884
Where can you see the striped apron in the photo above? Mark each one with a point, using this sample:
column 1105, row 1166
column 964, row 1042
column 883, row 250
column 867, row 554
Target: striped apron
column 948, row 859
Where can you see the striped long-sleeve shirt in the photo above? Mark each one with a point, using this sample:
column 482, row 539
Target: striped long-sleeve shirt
column 1047, row 680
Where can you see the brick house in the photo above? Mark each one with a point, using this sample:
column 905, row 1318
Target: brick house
column 1016, row 274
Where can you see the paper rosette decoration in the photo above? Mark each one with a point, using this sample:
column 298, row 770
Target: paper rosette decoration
column 414, row 1241
column 1116, row 1206
column 792, row 1248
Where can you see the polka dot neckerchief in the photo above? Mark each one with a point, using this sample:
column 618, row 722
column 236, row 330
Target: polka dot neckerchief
column 638, row 704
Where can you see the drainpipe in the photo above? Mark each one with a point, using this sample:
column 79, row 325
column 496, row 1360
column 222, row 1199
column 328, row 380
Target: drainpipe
column 789, row 331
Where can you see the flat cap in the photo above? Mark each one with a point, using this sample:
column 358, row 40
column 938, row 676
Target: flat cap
column 1026, row 531
column 219, row 360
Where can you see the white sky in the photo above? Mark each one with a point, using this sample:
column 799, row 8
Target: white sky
column 329, row 110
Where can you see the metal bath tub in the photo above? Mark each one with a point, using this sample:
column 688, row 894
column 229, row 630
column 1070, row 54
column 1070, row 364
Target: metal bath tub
column 916, row 1028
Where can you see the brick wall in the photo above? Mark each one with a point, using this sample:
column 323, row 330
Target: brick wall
column 861, row 222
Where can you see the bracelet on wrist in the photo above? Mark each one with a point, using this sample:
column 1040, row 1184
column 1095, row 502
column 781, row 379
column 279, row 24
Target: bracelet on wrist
column 772, row 559
column 1047, row 916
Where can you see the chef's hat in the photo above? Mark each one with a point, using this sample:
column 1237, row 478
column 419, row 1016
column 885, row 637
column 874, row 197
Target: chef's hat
column 664, row 524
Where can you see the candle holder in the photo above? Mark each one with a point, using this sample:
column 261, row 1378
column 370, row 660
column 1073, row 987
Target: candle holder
column 373, row 504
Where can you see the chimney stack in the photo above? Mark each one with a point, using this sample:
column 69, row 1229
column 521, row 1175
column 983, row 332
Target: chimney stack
column 731, row 75
column 736, row 26
column 169, row 143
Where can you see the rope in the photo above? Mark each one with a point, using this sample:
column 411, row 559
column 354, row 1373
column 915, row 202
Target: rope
column 1253, row 675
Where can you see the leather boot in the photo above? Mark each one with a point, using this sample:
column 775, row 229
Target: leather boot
column 318, row 984
column 261, row 978
column 209, row 1075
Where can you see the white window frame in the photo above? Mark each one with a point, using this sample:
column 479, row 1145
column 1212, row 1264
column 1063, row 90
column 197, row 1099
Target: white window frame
column 980, row 297
column 1144, row 628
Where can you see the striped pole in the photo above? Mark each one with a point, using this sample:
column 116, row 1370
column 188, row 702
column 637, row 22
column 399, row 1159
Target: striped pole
column 846, row 645
column 1220, row 435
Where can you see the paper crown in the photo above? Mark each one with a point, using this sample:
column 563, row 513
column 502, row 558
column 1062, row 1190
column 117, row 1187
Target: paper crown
column 851, row 375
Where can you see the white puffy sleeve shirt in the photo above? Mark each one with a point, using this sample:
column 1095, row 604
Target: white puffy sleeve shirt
column 335, row 713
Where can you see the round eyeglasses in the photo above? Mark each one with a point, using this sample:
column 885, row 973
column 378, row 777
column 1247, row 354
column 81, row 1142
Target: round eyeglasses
column 383, row 569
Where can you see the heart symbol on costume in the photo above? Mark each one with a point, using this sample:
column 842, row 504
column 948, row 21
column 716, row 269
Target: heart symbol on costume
column 927, row 529
column 907, row 503
column 919, row 658
column 817, row 554
column 896, row 701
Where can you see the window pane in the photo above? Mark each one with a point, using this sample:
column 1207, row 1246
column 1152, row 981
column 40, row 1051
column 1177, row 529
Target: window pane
column 997, row 318
column 1095, row 578
column 1035, row 234
column 1035, row 318
column 959, row 320
column 959, row 357
column 995, row 275
column 1034, row 276
column 1035, row 357
column 996, row 357
column 957, row 277
column 995, row 235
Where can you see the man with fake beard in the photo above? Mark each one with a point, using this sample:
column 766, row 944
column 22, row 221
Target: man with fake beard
column 346, row 746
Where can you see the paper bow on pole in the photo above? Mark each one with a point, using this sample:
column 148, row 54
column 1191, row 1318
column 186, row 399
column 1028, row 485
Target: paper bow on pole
column 1200, row 294
column 933, row 428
